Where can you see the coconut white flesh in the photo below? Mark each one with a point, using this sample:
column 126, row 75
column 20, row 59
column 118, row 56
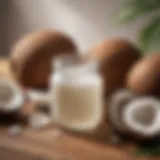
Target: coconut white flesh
column 117, row 104
column 11, row 96
column 142, row 116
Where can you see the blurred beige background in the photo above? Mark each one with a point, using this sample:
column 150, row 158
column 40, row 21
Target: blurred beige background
column 88, row 21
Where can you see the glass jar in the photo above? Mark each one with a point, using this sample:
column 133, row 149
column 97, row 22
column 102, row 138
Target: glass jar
column 76, row 93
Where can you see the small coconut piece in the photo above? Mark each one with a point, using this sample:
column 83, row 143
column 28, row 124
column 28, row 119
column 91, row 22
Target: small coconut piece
column 144, row 76
column 39, row 120
column 32, row 108
column 15, row 130
column 26, row 111
column 142, row 117
column 115, row 56
column 42, row 101
column 32, row 55
column 11, row 96
column 117, row 105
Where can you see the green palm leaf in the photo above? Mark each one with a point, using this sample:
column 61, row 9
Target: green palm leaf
column 150, row 36
column 136, row 8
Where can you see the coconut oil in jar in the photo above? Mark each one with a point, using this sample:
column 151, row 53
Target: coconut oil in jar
column 77, row 94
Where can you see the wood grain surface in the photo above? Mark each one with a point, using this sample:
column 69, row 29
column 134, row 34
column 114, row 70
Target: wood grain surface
column 45, row 144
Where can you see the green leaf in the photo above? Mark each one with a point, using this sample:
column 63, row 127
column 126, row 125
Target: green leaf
column 136, row 8
column 155, row 41
column 150, row 36
column 127, row 15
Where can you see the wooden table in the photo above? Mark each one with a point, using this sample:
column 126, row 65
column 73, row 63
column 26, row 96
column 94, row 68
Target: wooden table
column 44, row 145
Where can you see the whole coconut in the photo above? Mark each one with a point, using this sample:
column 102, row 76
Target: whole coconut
column 116, row 56
column 32, row 56
column 144, row 77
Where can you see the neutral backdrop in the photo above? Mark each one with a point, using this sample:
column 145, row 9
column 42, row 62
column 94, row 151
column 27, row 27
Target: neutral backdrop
column 87, row 21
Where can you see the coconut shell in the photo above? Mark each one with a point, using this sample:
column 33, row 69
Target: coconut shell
column 144, row 77
column 116, row 56
column 31, row 57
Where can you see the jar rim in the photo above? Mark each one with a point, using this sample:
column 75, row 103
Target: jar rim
column 70, row 61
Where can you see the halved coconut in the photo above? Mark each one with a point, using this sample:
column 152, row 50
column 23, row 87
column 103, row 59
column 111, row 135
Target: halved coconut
column 117, row 106
column 11, row 96
column 142, row 117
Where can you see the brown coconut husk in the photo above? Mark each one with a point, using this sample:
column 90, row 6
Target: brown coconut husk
column 116, row 56
column 31, row 57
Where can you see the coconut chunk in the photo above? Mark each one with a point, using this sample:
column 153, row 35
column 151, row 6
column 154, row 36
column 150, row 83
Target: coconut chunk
column 15, row 130
column 39, row 120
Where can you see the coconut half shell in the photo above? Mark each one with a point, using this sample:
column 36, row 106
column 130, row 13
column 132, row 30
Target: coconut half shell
column 118, row 102
column 11, row 101
column 11, row 97
column 142, row 117
column 31, row 57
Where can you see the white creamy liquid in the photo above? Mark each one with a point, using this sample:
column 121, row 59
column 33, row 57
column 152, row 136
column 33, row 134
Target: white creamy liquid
column 78, row 103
